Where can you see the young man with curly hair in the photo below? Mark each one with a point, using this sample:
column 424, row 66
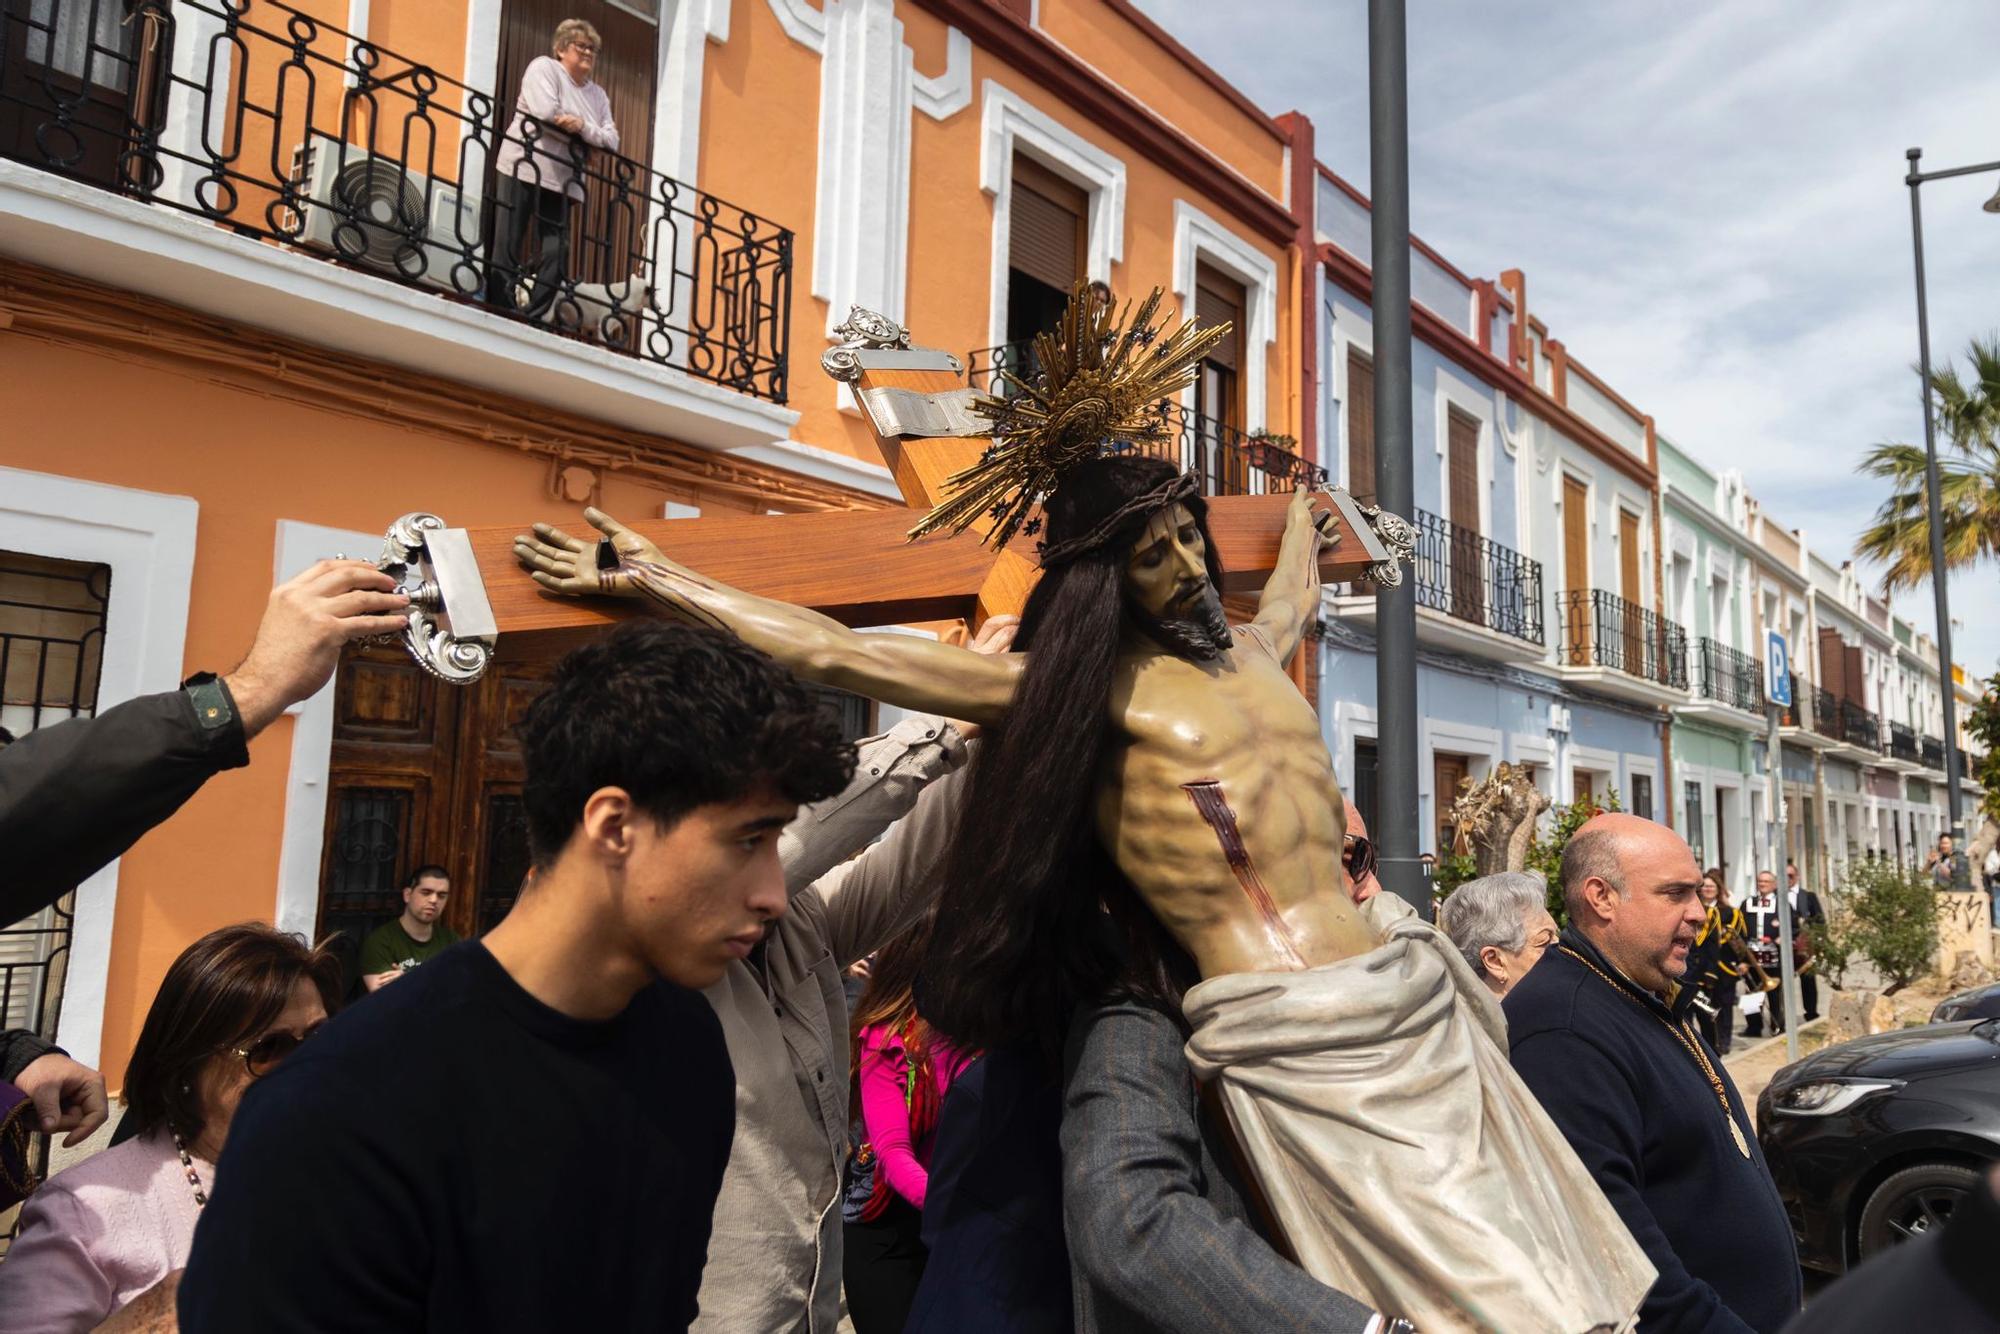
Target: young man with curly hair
column 529, row 1132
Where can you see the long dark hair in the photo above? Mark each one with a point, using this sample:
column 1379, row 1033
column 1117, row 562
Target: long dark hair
column 223, row 990
column 1034, row 916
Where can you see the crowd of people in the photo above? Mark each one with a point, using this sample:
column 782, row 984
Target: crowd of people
column 643, row 1100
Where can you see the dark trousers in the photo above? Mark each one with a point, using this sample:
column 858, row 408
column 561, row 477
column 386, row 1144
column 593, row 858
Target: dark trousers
column 881, row 1265
column 1809, row 996
column 1723, row 995
column 518, row 204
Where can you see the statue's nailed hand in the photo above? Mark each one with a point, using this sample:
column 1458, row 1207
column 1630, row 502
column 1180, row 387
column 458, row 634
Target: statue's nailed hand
column 1322, row 521
column 576, row 568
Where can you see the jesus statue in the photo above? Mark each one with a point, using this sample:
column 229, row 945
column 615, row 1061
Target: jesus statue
column 1154, row 808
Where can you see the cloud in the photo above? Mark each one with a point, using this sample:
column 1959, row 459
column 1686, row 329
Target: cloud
column 1707, row 201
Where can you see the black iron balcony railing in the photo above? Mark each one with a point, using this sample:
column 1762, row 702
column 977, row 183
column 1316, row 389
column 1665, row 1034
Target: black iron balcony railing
column 1472, row 578
column 1826, row 715
column 1729, row 677
column 1858, row 727
column 277, row 125
column 1903, row 743
column 1228, row 461
column 1931, row 755
column 1601, row 629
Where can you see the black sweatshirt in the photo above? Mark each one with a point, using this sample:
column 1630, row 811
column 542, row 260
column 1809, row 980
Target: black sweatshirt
column 1644, row 1118
column 457, row 1156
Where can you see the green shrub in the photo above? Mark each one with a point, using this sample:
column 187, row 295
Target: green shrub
column 1894, row 919
column 1545, row 853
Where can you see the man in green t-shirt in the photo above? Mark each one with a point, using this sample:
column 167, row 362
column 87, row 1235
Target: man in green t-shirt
column 413, row 938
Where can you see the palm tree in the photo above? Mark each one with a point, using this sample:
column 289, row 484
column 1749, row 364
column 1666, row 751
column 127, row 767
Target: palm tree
column 1968, row 479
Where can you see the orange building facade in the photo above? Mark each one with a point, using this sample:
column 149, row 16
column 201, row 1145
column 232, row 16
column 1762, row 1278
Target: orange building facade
column 240, row 256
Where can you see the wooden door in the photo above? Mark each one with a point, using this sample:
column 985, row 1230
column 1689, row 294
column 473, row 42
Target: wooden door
column 1447, row 773
column 1360, row 426
column 608, row 234
column 68, row 69
column 388, row 804
column 1576, row 572
column 1468, row 591
column 1580, row 782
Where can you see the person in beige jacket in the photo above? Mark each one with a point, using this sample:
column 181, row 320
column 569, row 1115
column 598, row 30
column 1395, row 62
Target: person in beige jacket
column 774, row 1250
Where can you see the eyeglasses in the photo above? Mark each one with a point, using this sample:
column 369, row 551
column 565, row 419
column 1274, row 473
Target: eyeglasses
column 588, row 48
column 1357, row 854
column 264, row 1055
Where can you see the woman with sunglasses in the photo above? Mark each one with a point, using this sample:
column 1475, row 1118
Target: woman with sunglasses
column 104, row 1232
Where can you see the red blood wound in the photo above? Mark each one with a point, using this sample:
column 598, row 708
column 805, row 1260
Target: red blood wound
column 1214, row 808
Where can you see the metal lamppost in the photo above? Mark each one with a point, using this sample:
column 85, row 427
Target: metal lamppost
column 1939, row 579
column 1400, row 869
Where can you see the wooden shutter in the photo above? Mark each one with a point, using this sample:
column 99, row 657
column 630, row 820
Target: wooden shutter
column 1832, row 664
column 1581, row 781
column 1628, row 556
column 1045, row 231
column 1462, row 458
column 1360, row 426
column 1856, row 677
column 1576, row 535
column 1219, row 299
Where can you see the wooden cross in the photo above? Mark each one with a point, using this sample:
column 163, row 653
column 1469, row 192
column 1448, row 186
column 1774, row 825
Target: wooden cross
column 856, row 566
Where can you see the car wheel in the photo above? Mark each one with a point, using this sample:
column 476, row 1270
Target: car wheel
column 1912, row 1202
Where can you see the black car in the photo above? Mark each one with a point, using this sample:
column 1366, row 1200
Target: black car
column 1978, row 1003
column 1876, row 1140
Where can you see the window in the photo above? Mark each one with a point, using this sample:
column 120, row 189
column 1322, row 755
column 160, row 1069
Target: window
column 1364, row 780
column 1046, row 247
column 1642, row 796
column 1580, row 784
column 1448, row 775
column 1691, row 820
column 1219, row 299
column 1360, row 426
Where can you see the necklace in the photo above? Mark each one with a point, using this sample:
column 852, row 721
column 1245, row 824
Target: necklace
column 194, row 1177
column 1686, row 1040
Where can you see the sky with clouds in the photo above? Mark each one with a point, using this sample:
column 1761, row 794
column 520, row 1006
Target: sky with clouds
column 1707, row 201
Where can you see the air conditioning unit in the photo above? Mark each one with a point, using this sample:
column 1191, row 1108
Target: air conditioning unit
column 373, row 212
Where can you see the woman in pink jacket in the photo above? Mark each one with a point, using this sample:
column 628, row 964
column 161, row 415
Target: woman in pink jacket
column 902, row 1073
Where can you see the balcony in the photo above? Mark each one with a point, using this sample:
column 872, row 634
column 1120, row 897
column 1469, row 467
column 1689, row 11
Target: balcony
column 1622, row 649
column 1227, row 461
column 1473, row 594
column 1857, row 733
column 1474, row 579
column 1903, row 746
column 1728, row 686
column 1931, row 754
column 278, row 127
column 1800, row 724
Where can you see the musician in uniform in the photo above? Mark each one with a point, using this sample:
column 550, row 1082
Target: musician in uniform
column 1760, row 916
column 1715, row 965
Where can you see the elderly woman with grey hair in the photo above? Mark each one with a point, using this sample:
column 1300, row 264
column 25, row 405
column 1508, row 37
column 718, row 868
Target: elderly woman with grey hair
column 1501, row 924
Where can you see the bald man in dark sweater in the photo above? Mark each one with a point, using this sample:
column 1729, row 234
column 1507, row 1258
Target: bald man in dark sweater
column 1600, row 1031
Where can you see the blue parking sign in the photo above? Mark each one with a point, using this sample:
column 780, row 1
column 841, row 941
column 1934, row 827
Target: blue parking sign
column 1777, row 670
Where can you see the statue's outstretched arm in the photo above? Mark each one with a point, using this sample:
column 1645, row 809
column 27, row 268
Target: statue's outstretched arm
column 1291, row 594
column 905, row 670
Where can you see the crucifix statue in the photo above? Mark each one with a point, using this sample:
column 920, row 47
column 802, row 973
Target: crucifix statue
column 1154, row 808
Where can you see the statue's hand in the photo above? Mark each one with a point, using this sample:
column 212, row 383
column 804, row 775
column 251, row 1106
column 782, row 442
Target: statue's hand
column 571, row 566
column 1322, row 521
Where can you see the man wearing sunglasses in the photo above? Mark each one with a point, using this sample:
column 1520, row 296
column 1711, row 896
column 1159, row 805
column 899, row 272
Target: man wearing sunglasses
column 428, row 1152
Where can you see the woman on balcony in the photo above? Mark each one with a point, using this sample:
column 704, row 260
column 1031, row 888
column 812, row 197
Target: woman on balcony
column 559, row 115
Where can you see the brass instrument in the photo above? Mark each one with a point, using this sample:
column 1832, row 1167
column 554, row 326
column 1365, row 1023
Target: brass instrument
column 1754, row 971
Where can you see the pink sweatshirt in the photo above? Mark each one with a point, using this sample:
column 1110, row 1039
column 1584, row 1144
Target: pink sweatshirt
column 98, row 1234
column 885, row 1114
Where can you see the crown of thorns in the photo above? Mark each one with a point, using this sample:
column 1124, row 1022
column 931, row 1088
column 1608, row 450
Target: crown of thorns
column 1103, row 373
